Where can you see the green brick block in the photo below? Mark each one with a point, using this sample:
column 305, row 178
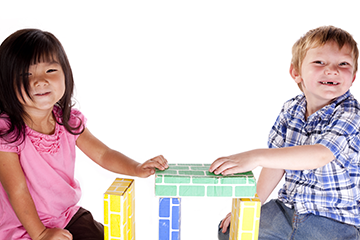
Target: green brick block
column 219, row 191
column 192, row 191
column 192, row 173
column 177, row 179
column 204, row 180
column 158, row 179
column 200, row 168
column 195, row 180
column 179, row 168
column 234, row 180
column 167, row 190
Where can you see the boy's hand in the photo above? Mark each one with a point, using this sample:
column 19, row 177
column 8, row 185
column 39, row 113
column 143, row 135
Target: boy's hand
column 148, row 168
column 225, row 222
column 55, row 234
column 238, row 163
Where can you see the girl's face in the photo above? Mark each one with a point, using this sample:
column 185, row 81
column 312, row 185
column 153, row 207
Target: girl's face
column 46, row 87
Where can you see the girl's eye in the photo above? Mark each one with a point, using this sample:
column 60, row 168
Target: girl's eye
column 51, row 70
column 26, row 74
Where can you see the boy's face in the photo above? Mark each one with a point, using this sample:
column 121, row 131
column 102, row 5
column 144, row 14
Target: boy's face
column 327, row 72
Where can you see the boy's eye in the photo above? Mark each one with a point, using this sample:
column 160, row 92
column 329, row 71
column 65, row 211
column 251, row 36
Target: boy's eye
column 319, row 62
column 344, row 64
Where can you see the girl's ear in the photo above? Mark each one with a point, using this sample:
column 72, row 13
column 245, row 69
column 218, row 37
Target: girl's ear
column 294, row 74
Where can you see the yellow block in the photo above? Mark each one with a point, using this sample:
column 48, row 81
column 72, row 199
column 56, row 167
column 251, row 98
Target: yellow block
column 119, row 210
column 245, row 217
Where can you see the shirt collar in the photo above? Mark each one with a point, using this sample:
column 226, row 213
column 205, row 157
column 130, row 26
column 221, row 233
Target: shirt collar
column 299, row 108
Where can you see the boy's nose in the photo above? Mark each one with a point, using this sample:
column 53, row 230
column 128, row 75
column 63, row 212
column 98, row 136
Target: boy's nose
column 331, row 70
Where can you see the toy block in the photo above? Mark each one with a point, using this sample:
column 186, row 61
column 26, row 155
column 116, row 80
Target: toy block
column 169, row 218
column 245, row 217
column 195, row 180
column 119, row 210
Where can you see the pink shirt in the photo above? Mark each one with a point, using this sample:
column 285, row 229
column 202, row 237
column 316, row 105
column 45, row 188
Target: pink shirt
column 48, row 163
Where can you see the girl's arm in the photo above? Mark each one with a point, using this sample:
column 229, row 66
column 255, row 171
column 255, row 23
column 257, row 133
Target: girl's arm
column 115, row 161
column 293, row 158
column 13, row 181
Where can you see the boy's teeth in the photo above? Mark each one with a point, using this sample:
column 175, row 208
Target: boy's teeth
column 331, row 83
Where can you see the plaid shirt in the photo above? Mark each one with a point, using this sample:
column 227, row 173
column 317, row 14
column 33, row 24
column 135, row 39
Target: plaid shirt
column 333, row 190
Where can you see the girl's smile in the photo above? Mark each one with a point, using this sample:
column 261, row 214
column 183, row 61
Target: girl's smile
column 46, row 86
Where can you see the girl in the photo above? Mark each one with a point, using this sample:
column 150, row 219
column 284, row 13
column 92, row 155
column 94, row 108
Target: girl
column 38, row 133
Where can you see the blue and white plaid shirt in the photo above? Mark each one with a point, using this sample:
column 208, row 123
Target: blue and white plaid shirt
column 333, row 190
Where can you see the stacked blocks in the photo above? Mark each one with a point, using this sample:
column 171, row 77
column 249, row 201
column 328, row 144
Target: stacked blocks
column 119, row 210
column 169, row 218
column 245, row 217
column 194, row 180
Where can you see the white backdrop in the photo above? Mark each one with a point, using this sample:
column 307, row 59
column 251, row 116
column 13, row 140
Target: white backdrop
column 192, row 80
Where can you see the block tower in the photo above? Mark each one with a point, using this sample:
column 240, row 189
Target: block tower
column 245, row 217
column 119, row 210
column 169, row 218
column 194, row 180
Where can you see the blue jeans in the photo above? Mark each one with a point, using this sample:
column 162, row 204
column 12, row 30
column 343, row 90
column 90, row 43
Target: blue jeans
column 280, row 222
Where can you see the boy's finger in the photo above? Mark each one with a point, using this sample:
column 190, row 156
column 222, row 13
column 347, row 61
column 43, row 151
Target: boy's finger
column 226, row 222
column 222, row 166
column 216, row 164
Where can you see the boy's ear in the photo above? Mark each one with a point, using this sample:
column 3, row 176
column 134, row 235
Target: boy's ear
column 294, row 74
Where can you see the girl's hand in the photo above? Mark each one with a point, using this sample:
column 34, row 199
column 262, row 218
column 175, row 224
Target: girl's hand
column 148, row 168
column 55, row 234
column 225, row 222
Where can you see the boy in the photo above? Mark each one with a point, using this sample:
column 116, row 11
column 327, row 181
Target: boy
column 315, row 143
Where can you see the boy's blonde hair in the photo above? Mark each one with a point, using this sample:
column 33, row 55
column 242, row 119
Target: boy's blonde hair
column 319, row 37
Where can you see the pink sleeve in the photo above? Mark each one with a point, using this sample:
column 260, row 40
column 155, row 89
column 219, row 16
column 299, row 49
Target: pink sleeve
column 76, row 119
column 4, row 145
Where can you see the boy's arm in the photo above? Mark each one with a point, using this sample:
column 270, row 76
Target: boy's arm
column 13, row 181
column 269, row 178
column 293, row 158
column 115, row 161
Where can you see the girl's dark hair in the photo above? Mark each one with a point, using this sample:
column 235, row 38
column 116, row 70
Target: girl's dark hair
column 17, row 53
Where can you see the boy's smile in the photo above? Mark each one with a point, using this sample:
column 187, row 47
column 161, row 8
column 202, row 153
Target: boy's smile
column 327, row 72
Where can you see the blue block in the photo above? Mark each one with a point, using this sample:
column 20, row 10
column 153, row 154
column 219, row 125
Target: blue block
column 175, row 217
column 175, row 236
column 164, row 207
column 169, row 218
column 164, row 229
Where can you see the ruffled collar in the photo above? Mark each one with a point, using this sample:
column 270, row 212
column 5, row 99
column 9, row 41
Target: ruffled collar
column 44, row 143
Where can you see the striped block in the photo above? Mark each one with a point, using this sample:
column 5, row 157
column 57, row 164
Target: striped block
column 245, row 217
column 119, row 210
column 169, row 218
column 194, row 180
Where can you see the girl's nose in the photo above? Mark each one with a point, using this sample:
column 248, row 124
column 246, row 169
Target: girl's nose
column 40, row 81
